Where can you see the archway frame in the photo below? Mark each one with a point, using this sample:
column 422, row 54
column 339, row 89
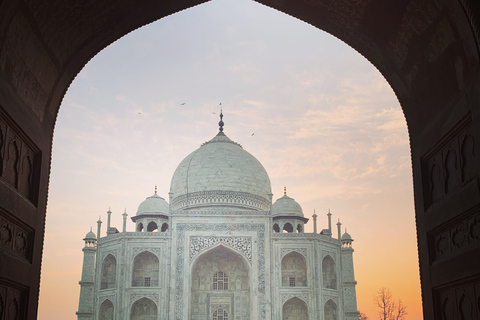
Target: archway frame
column 427, row 51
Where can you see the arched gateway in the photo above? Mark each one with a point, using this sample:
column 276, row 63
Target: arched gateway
column 427, row 50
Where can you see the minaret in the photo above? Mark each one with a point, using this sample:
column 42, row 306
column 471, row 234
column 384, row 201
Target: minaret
column 339, row 227
column 314, row 222
column 109, row 215
column 99, row 226
column 85, row 304
column 329, row 221
column 348, row 278
column 125, row 216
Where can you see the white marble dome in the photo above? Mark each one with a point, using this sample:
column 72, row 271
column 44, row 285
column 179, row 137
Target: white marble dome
column 153, row 205
column 286, row 206
column 220, row 175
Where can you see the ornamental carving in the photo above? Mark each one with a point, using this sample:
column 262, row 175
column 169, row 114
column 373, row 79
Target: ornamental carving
column 301, row 296
column 285, row 251
column 110, row 297
column 19, row 156
column 220, row 197
column 325, row 298
column 200, row 244
column 329, row 253
column 138, row 250
column 137, row 296
column 106, row 253
column 451, row 163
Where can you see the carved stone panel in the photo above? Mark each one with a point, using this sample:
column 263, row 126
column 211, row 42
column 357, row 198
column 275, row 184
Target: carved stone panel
column 12, row 301
column 16, row 237
column 451, row 163
column 19, row 159
column 455, row 237
column 458, row 300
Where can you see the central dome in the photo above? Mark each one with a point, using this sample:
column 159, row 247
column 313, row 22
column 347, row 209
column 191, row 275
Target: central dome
column 220, row 175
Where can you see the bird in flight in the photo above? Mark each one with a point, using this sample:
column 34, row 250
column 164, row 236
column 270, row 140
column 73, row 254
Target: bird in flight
column 253, row 133
column 182, row 104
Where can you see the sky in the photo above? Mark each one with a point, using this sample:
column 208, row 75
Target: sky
column 320, row 118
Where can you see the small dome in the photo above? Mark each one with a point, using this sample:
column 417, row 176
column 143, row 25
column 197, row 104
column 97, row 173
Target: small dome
column 286, row 206
column 153, row 205
column 90, row 236
column 346, row 236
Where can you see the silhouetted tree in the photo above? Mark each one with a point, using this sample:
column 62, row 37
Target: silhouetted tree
column 388, row 308
column 362, row 316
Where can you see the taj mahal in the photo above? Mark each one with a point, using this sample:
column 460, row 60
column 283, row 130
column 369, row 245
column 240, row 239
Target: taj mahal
column 219, row 249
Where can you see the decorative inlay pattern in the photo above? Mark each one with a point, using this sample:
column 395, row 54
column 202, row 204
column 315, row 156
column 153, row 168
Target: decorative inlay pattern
column 200, row 244
column 149, row 295
column 451, row 163
column 285, row 251
column 20, row 157
column 197, row 213
column 325, row 298
column 454, row 237
column 220, row 197
column 154, row 250
column 15, row 237
column 114, row 253
column 110, row 297
column 329, row 253
column 181, row 228
column 301, row 296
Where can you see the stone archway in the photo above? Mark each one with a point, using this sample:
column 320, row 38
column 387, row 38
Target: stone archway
column 220, row 279
column 427, row 50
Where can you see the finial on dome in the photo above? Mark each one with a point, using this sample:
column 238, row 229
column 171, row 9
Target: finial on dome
column 285, row 190
column 90, row 229
column 155, row 189
column 221, row 120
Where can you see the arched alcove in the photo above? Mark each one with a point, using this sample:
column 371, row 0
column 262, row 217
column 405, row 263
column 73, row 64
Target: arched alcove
column 140, row 227
column 276, row 228
column 144, row 309
column 109, row 272
column 330, row 310
column 164, row 227
column 287, row 227
column 152, row 226
column 106, row 311
column 295, row 309
column 329, row 273
column 220, row 275
column 294, row 270
column 145, row 271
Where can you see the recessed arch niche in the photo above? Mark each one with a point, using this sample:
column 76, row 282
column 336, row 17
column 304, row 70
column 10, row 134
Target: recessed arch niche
column 220, row 277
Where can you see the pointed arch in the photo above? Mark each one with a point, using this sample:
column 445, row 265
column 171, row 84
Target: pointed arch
column 299, row 228
column 220, row 314
column 288, row 227
column 295, row 309
column 139, row 227
column 109, row 272
column 145, row 271
column 329, row 273
column 106, row 311
column 143, row 309
column 152, row 226
column 220, row 276
column 294, row 270
column 276, row 228
column 330, row 310
column 164, row 227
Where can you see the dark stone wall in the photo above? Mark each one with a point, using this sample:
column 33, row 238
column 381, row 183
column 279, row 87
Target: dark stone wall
column 428, row 50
